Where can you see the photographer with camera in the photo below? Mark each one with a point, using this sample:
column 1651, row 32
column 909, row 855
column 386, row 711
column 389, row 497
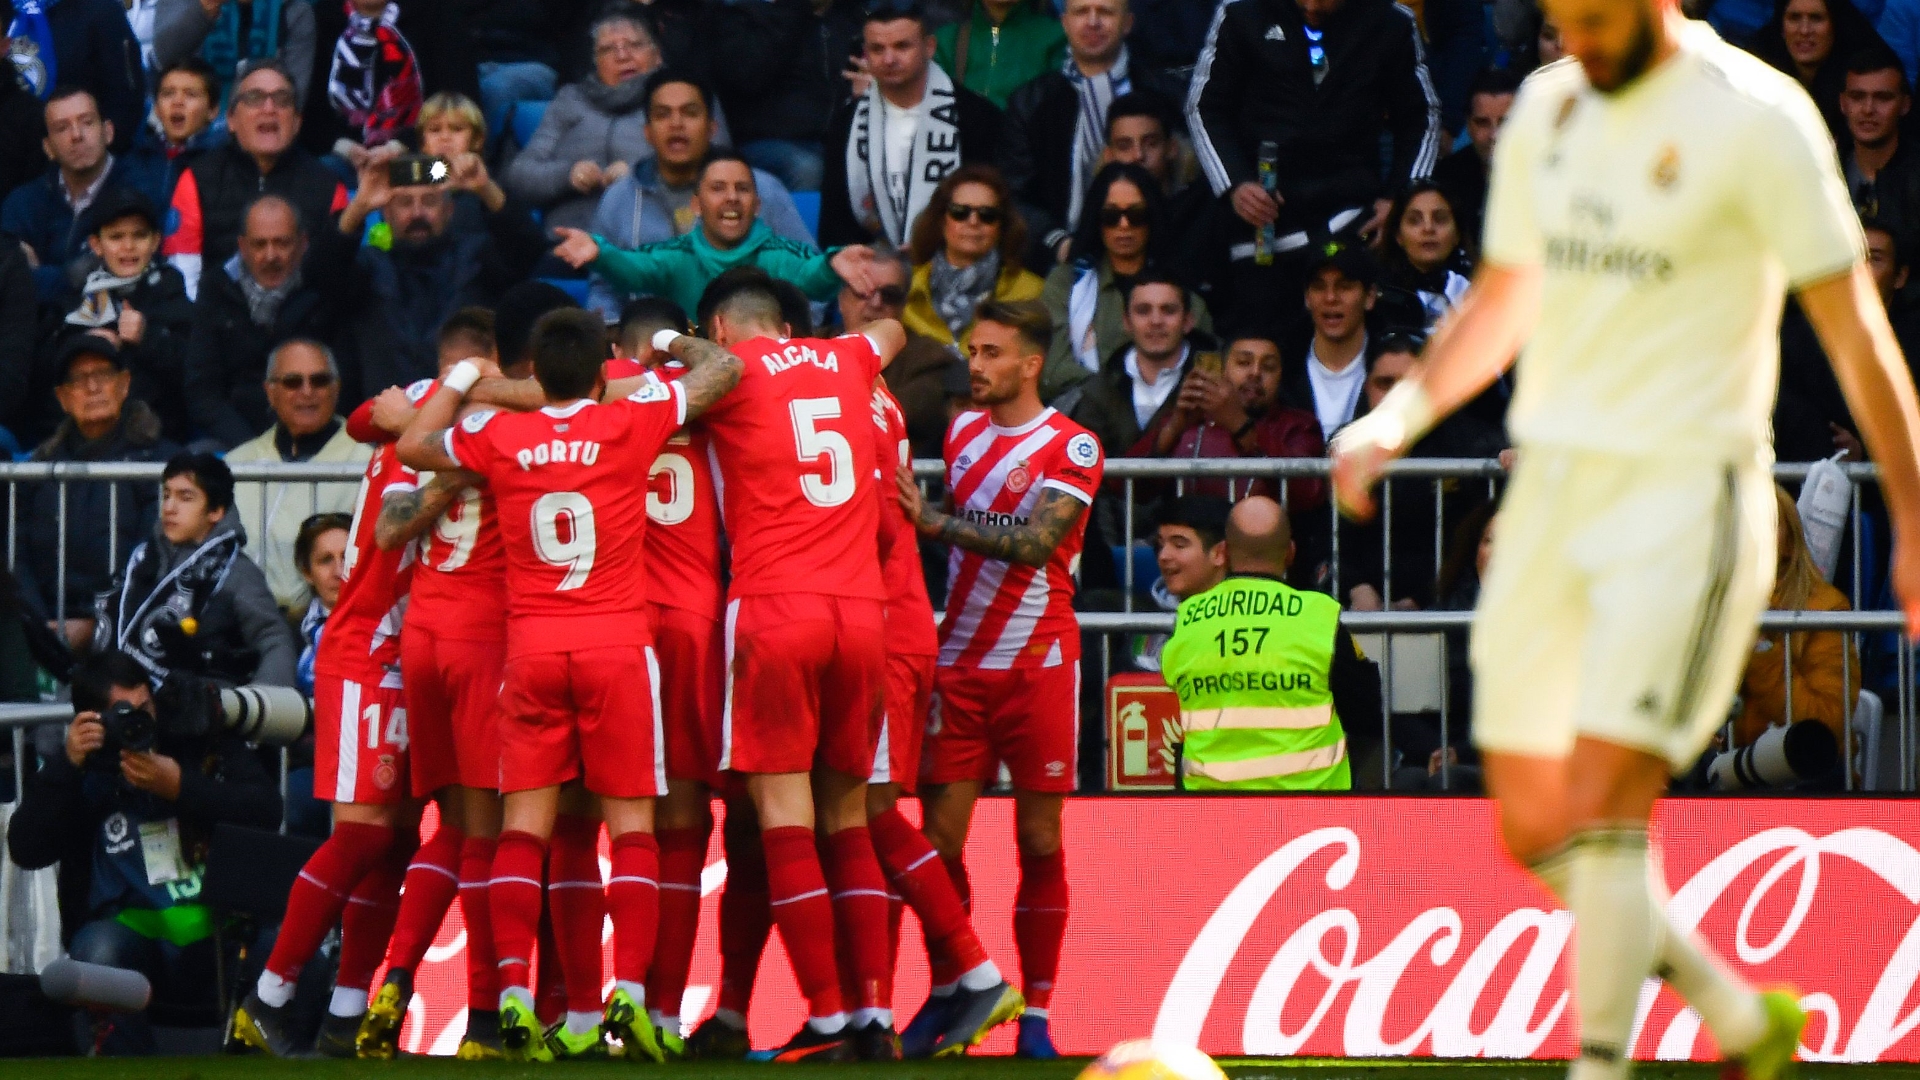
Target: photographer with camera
column 126, row 812
column 190, row 606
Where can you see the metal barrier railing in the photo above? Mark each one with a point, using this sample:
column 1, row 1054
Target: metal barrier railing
column 270, row 482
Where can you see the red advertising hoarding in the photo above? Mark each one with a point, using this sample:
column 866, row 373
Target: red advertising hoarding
column 1353, row 927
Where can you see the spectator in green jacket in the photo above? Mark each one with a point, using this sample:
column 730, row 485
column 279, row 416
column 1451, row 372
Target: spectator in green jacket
column 729, row 235
column 1001, row 46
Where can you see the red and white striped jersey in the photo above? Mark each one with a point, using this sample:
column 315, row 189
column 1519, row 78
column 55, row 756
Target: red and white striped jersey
column 1002, row 614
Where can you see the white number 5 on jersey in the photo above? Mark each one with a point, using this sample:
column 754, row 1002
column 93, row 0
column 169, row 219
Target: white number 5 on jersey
column 677, row 506
column 811, row 442
column 576, row 551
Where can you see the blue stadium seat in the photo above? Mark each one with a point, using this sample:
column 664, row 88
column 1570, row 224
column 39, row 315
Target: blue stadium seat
column 526, row 119
column 574, row 287
column 808, row 203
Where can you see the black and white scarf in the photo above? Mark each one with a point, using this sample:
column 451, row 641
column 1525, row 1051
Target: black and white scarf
column 103, row 294
column 1090, row 128
column 936, row 152
column 957, row 290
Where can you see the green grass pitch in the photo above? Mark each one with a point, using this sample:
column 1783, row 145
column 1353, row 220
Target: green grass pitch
column 253, row 1068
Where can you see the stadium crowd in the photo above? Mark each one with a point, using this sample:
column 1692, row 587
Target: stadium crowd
column 237, row 230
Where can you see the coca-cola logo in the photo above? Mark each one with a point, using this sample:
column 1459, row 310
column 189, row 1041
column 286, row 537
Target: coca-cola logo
column 1387, row 1014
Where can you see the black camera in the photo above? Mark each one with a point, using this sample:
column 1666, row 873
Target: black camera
column 414, row 170
column 127, row 728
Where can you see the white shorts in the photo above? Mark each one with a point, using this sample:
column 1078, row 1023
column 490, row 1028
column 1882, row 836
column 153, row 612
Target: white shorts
column 1621, row 602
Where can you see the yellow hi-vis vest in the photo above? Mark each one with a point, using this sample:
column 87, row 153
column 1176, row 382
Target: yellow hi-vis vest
column 1250, row 660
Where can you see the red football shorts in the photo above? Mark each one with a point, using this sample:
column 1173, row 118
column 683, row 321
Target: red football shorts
column 453, row 704
column 692, row 681
column 593, row 714
column 1027, row 718
column 805, row 682
column 359, row 740
column 909, row 693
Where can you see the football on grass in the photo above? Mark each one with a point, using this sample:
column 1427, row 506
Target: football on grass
column 1144, row 1059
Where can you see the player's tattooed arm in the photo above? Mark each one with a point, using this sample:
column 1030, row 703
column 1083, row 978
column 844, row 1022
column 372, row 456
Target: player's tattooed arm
column 514, row 395
column 405, row 515
column 711, row 372
column 1031, row 544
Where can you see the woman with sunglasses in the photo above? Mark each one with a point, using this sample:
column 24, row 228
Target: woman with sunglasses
column 966, row 247
column 1426, row 265
column 1122, row 233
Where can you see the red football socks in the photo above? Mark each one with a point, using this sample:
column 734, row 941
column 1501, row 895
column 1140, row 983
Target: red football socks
column 859, row 893
column 476, row 869
column 367, row 922
column 576, row 893
column 321, row 891
column 633, row 899
column 683, row 855
column 513, row 896
column 433, row 880
column 804, row 913
column 550, row 982
column 746, row 917
column 926, row 882
column 1040, row 923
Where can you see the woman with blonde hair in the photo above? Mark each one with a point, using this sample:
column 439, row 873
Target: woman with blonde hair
column 1826, row 667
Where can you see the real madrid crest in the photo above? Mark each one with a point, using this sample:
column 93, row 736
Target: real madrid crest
column 1666, row 168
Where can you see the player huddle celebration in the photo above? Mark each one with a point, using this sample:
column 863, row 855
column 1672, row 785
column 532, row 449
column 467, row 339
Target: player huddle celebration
column 708, row 550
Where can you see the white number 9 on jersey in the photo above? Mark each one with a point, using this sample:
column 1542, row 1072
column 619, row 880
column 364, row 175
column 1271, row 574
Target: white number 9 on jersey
column 811, row 442
column 677, row 506
column 459, row 528
column 576, row 551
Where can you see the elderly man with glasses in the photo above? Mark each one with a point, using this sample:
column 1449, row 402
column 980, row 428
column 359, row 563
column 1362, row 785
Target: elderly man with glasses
column 303, row 389
column 260, row 159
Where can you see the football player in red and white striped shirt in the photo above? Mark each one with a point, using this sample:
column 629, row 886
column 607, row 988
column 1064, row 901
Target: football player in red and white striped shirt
column 1007, row 684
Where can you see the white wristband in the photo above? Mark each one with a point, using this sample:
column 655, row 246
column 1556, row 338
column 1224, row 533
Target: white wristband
column 663, row 340
column 1404, row 417
column 462, row 377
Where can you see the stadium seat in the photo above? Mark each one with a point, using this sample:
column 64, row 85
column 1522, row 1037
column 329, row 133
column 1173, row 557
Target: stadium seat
column 525, row 120
column 573, row 287
column 808, row 203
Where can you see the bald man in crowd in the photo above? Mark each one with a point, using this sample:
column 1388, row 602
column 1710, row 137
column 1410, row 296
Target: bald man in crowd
column 1265, row 673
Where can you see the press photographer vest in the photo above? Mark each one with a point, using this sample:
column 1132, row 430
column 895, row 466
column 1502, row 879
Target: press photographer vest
column 1251, row 660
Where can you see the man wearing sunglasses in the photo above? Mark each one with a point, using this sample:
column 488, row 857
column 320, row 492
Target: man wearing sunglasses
column 303, row 390
column 260, row 159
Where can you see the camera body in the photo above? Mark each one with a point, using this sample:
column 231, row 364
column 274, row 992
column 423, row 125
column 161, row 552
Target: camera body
column 127, row 728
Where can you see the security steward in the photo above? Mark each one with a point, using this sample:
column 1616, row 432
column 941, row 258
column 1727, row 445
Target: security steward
column 1264, row 672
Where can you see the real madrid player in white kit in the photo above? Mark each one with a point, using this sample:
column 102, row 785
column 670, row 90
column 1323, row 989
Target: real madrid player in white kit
column 1653, row 196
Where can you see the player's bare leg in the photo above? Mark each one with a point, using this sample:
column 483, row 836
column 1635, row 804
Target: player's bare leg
column 362, row 841
column 1580, row 824
column 683, row 825
column 801, row 905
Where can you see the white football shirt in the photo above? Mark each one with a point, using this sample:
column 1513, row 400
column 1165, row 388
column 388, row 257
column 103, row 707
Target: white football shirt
column 1668, row 221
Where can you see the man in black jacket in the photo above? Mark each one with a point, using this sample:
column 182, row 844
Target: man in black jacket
column 260, row 159
column 273, row 290
column 779, row 85
column 1323, row 81
column 129, row 828
column 1882, row 170
column 103, row 521
column 439, row 263
column 1056, row 126
column 888, row 149
column 1463, row 175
